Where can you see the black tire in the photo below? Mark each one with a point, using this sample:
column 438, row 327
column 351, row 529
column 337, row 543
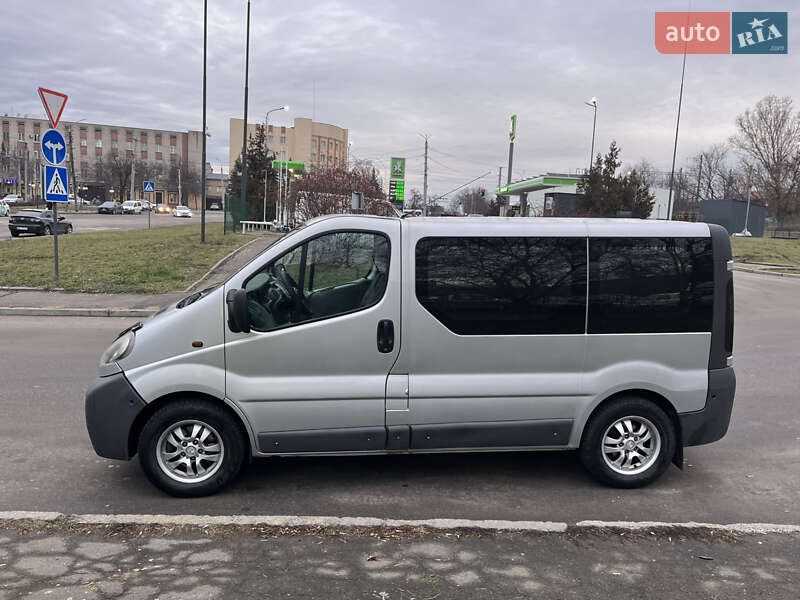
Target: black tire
column 592, row 451
column 15, row 234
column 213, row 414
column 69, row 228
column 46, row 230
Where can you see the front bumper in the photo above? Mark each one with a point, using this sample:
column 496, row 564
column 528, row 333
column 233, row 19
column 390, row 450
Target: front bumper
column 112, row 406
column 711, row 423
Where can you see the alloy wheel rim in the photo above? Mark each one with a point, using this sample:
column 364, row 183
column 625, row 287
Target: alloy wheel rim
column 190, row 451
column 631, row 445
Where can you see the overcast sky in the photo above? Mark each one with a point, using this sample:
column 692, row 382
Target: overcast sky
column 388, row 71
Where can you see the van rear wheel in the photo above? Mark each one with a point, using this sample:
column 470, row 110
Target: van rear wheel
column 628, row 443
column 191, row 448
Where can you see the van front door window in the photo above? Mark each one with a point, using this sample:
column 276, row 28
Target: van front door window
column 333, row 274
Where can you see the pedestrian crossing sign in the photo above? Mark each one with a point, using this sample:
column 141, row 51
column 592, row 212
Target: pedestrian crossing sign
column 148, row 187
column 56, row 187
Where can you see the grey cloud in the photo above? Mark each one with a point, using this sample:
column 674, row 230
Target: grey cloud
column 388, row 71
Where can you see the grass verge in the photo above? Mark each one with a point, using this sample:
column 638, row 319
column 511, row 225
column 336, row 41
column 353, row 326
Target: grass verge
column 143, row 261
column 766, row 250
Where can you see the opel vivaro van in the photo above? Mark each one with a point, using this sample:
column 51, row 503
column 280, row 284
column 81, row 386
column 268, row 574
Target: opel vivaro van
column 358, row 334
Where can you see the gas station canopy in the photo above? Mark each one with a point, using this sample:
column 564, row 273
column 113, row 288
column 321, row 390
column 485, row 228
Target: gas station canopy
column 541, row 182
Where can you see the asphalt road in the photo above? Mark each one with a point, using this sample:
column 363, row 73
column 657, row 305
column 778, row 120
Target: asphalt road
column 86, row 222
column 752, row 475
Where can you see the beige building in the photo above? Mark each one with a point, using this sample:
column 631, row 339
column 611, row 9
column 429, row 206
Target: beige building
column 20, row 149
column 314, row 144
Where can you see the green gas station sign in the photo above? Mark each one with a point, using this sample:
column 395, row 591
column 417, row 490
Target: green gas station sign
column 398, row 168
column 288, row 164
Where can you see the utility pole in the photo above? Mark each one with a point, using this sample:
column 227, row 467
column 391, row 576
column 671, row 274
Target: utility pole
column 425, row 181
column 203, row 168
column 499, row 182
column 699, row 176
column 72, row 168
column 180, row 189
column 133, row 171
column 244, row 133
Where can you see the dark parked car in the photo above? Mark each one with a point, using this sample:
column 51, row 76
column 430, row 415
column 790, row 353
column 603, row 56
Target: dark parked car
column 110, row 208
column 37, row 222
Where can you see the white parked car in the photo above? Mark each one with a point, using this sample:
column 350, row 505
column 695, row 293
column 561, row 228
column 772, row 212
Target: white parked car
column 132, row 207
column 181, row 211
column 81, row 201
column 5, row 209
column 13, row 199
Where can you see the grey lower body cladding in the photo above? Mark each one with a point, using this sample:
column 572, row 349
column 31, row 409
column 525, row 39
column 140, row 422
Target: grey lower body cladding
column 498, row 434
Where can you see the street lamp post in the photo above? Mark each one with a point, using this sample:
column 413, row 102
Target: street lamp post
column 266, row 168
column 203, row 166
column 592, row 104
column 244, row 124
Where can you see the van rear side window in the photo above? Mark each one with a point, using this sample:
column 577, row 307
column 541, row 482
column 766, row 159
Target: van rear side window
column 503, row 285
column 650, row 285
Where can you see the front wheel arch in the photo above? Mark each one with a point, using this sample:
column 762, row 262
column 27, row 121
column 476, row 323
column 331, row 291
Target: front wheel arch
column 151, row 407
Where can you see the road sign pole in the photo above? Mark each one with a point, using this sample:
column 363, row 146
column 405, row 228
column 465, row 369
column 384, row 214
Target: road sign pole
column 55, row 236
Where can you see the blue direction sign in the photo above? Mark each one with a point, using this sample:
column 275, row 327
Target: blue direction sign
column 54, row 148
column 55, row 180
column 148, row 187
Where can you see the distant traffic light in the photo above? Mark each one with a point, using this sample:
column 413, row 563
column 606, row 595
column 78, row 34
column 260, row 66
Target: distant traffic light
column 483, row 192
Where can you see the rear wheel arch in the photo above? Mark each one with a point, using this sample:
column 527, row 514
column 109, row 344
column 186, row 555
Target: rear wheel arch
column 152, row 407
column 659, row 400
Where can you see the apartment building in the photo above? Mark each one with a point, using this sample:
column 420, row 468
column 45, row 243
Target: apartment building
column 313, row 144
column 90, row 143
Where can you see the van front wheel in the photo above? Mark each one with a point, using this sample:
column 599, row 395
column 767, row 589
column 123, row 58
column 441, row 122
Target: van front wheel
column 628, row 443
column 191, row 448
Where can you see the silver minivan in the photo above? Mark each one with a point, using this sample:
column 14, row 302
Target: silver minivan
column 358, row 334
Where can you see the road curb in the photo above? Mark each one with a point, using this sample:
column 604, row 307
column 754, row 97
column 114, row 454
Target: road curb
column 48, row 311
column 220, row 262
column 23, row 288
column 305, row 522
column 763, row 272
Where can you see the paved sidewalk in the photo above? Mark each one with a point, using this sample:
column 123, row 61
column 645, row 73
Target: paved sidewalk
column 55, row 303
column 141, row 562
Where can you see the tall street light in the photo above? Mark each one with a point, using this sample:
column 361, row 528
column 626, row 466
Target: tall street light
column 205, row 132
column 266, row 168
column 592, row 104
column 244, row 124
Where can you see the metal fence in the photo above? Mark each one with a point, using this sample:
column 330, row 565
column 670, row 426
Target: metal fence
column 235, row 213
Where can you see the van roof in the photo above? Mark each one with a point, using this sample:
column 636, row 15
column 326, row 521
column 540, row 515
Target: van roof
column 549, row 226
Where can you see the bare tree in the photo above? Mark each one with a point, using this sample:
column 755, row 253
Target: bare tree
column 708, row 172
column 768, row 137
column 327, row 191
column 472, row 201
column 417, row 201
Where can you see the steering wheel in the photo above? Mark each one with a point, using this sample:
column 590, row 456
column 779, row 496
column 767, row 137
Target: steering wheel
column 289, row 288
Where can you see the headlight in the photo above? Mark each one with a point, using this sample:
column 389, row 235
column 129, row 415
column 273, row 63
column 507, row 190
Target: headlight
column 119, row 349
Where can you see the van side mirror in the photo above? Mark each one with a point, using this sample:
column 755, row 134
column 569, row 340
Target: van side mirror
column 238, row 317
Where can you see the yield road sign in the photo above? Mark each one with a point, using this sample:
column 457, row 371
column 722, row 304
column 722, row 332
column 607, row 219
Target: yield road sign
column 55, row 179
column 148, row 187
column 54, row 148
column 54, row 103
